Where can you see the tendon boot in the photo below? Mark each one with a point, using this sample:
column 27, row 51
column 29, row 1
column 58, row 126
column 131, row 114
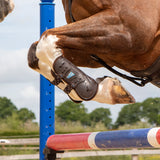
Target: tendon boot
column 84, row 86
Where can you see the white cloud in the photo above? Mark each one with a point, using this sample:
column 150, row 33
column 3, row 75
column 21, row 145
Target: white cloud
column 14, row 66
column 29, row 92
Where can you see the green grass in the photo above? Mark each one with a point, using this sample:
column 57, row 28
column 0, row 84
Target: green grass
column 146, row 157
column 77, row 127
column 101, row 158
column 149, row 157
column 136, row 125
column 13, row 127
column 10, row 150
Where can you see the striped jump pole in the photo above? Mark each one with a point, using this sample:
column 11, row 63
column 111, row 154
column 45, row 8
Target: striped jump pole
column 135, row 138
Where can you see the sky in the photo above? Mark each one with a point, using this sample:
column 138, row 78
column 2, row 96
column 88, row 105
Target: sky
column 21, row 84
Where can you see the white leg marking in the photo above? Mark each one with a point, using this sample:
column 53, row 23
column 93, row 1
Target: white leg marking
column 45, row 70
column 103, row 94
column 11, row 5
column 47, row 50
column 74, row 96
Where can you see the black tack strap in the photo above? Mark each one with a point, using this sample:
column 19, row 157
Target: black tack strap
column 143, row 81
column 70, row 10
column 57, row 79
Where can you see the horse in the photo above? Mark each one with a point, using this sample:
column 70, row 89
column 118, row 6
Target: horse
column 6, row 7
column 121, row 33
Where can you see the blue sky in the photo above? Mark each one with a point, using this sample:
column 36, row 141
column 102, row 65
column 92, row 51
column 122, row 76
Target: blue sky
column 19, row 83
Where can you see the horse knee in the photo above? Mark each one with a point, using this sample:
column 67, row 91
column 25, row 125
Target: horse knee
column 47, row 50
column 32, row 58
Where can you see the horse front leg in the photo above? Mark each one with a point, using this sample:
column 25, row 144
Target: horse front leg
column 6, row 6
column 49, row 60
column 106, row 90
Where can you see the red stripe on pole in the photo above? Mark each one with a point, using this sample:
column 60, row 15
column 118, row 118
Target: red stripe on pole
column 69, row 142
column 158, row 136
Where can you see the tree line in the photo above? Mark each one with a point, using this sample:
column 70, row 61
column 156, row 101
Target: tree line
column 147, row 111
column 70, row 111
column 8, row 109
column 16, row 121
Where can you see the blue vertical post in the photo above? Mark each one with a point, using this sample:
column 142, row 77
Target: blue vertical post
column 47, row 8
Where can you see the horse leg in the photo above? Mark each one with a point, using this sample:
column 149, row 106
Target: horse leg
column 45, row 70
column 105, row 90
column 6, row 6
column 79, row 86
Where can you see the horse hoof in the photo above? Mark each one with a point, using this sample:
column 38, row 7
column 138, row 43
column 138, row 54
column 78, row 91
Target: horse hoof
column 120, row 94
column 111, row 91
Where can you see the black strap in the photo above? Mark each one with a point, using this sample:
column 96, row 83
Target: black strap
column 68, row 88
column 57, row 79
column 70, row 10
column 134, row 80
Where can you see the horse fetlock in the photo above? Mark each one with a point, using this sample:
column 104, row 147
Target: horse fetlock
column 47, row 50
column 111, row 91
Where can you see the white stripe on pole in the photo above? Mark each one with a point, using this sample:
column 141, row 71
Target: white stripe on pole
column 152, row 137
column 91, row 140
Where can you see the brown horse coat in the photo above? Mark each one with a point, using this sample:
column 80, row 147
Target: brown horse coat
column 124, row 33
column 6, row 6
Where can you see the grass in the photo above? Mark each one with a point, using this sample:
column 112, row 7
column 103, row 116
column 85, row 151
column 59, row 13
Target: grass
column 136, row 125
column 13, row 127
column 12, row 150
column 76, row 127
column 146, row 157
column 149, row 157
column 101, row 158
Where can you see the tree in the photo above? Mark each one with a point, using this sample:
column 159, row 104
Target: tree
column 101, row 115
column 6, row 107
column 148, row 110
column 70, row 111
column 25, row 115
column 129, row 114
column 158, row 120
column 151, row 110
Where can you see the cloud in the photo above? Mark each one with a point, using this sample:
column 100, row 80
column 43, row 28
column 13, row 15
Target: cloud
column 14, row 66
column 29, row 92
